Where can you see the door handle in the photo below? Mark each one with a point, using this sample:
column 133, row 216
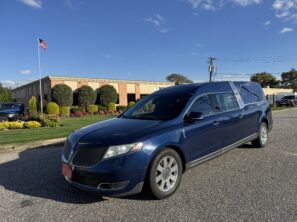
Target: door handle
column 240, row 116
column 215, row 123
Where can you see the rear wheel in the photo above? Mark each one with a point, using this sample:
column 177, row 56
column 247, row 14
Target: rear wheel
column 165, row 174
column 261, row 141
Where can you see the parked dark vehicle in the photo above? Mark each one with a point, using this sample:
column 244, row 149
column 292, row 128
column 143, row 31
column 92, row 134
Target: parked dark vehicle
column 290, row 100
column 158, row 139
column 11, row 111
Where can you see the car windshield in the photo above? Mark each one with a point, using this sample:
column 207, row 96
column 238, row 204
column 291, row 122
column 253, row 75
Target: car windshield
column 288, row 97
column 8, row 106
column 158, row 107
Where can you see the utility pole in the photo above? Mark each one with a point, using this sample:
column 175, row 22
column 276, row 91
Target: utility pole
column 211, row 67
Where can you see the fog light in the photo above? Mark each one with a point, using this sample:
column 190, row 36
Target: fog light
column 113, row 186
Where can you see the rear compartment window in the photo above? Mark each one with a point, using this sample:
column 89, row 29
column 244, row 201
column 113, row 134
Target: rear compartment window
column 227, row 101
column 250, row 92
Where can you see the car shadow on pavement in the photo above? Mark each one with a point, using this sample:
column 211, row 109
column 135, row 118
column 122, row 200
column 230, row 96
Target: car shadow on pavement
column 37, row 173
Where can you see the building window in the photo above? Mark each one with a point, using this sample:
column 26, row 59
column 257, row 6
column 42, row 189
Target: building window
column 131, row 97
column 143, row 95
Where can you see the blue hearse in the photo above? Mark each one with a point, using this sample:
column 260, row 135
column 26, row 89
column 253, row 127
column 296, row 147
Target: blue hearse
column 152, row 144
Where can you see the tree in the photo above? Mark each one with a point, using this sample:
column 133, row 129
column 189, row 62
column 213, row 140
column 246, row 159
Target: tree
column 108, row 94
column 264, row 79
column 32, row 106
column 289, row 78
column 86, row 96
column 5, row 94
column 62, row 94
column 178, row 79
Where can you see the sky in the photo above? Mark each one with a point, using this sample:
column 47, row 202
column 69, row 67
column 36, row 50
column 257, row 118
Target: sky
column 146, row 40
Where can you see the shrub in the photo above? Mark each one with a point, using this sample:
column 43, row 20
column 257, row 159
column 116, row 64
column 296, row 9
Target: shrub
column 122, row 108
column 102, row 108
column 86, row 96
column 92, row 109
column 62, row 95
column 111, row 107
column 78, row 109
column 64, row 111
column 50, row 121
column 52, row 108
column 107, row 94
column 130, row 104
column 32, row 106
column 11, row 125
column 32, row 124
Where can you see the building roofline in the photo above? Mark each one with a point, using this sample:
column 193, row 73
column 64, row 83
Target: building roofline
column 69, row 78
column 55, row 77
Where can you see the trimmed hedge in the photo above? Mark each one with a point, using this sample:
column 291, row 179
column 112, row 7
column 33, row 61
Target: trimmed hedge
column 32, row 124
column 86, row 96
column 78, row 109
column 64, row 111
column 62, row 95
column 130, row 104
column 52, row 108
column 92, row 109
column 122, row 108
column 11, row 125
column 102, row 108
column 108, row 94
column 112, row 107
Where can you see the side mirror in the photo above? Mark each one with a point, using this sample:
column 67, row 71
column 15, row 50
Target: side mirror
column 194, row 116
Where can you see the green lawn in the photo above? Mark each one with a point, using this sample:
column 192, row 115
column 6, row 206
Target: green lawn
column 69, row 125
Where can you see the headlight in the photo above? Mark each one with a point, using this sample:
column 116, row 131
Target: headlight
column 10, row 115
column 122, row 149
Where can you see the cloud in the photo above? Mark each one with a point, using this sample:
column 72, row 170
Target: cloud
column 285, row 9
column 285, row 30
column 32, row 3
column 74, row 4
column 109, row 56
column 25, row 72
column 212, row 5
column 245, row 3
column 14, row 84
column 158, row 21
column 267, row 23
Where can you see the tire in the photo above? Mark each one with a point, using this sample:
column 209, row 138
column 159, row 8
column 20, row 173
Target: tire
column 262, row 140
column 163, row 180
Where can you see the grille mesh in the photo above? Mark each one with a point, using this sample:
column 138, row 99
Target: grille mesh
column 88, row 156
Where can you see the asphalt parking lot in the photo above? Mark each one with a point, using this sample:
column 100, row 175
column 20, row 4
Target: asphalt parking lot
column 245, row 184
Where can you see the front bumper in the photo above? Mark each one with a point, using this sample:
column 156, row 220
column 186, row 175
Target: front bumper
column 118, row 176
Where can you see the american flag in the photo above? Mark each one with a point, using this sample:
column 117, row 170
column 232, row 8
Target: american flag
column 43, row 44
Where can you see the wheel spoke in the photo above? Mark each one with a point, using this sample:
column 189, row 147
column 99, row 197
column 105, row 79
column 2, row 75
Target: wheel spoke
column 174, row 168
column 160, row 168
column 171, row 161
column 173, row 177
column 158, row 178
column 162, row 185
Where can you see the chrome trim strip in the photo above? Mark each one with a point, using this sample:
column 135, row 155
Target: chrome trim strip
column 221, row 151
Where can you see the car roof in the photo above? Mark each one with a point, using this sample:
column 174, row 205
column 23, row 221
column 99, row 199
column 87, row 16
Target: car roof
column 192, row 88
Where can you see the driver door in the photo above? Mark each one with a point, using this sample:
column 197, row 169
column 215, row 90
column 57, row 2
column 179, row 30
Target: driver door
column 203, row 136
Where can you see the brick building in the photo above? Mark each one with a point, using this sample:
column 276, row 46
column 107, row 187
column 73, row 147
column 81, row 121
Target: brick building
column 127, row 90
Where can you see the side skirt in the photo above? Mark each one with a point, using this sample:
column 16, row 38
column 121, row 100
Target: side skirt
column 221, row 151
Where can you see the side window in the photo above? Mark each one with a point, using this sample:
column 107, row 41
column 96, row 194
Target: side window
column 203, row 105
column 227, row 101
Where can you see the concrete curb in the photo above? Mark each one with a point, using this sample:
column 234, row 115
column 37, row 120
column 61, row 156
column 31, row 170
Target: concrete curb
column 31, row 145
column 284, row 110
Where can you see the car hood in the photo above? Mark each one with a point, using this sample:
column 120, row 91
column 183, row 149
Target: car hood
column 115, row 131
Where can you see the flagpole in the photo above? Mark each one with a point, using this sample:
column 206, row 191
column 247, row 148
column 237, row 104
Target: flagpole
column 40, row 87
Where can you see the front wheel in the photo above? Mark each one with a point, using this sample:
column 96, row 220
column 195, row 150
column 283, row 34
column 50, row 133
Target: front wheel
column 165, row 174
column 261, row 141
